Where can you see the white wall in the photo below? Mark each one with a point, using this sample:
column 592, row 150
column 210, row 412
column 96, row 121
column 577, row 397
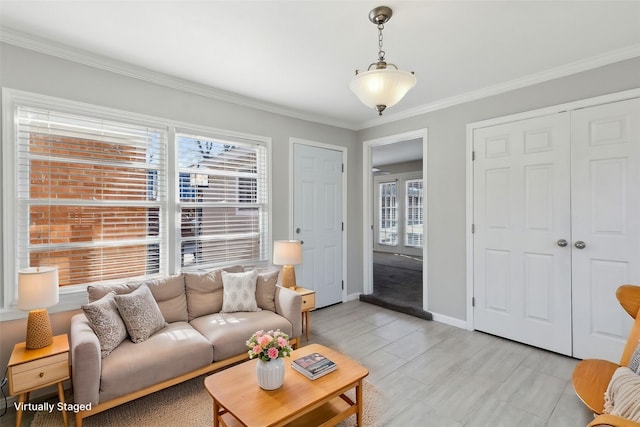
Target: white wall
column 446, row 178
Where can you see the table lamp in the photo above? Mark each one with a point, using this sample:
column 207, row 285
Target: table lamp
column 37, row 290
column 287, row 253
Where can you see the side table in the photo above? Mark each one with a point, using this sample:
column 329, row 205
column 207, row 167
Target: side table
column 31, row 370
column 308, row 304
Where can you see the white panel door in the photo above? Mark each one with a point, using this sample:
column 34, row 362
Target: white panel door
column 317, row 220
column 606, row 224
column 522, row 283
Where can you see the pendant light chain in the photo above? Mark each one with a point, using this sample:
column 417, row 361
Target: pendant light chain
column 381, row 52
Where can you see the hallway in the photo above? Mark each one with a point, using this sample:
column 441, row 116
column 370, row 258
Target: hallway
column 397, row 283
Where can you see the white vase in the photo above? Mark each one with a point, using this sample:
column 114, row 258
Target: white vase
column 270, row 374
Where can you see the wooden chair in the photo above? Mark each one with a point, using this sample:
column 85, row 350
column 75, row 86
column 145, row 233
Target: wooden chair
column 591, row 377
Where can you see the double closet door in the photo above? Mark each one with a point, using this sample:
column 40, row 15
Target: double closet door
column 556, row 207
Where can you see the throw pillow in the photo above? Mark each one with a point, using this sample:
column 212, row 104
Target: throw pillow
column 239, row 292
column 634, row 363
column 204, row 291
column 106, row 322
column 140, row 313
column 266, row 290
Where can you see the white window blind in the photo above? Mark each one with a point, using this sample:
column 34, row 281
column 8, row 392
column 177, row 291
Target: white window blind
column 89, row 196
column 415, row 213
column 388, row 227
column 223, row 201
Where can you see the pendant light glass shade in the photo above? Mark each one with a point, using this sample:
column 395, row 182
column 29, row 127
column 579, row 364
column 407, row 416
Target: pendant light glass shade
column 382, row 87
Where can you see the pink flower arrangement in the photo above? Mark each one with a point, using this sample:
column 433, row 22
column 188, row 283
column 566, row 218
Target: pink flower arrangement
column 269, row 345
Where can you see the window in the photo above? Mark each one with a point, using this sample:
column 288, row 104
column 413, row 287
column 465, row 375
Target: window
column 388, row 227
column 223, row 204
column 93, row 191
column 90, row 196
column 415, row 213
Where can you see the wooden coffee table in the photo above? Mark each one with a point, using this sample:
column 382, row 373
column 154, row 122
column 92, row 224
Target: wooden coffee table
column 238, row 400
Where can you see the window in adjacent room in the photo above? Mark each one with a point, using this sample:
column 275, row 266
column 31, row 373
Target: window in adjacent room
column 413, row 230
column 388, row 225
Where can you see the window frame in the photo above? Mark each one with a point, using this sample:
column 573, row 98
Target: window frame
column 73, row 296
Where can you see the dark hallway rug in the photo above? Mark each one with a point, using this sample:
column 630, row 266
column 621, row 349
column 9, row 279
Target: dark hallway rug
column 397, row 284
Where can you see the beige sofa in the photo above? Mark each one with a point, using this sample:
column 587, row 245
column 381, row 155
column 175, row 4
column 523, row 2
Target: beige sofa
column 196, row 339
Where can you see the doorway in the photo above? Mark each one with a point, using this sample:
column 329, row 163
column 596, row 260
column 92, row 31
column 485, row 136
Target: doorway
column 395, row 223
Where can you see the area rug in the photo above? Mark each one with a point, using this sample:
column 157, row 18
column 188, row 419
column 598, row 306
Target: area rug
column 185, row 405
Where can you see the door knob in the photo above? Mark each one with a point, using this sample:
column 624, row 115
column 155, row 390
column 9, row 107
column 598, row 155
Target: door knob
column 298, row 230
column 562, row 243
column 580, row 244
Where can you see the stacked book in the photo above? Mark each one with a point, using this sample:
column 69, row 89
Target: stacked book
column 314, row 365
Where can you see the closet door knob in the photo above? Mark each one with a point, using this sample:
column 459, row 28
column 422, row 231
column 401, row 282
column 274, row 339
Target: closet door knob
column 562, row 243
column 580, row 244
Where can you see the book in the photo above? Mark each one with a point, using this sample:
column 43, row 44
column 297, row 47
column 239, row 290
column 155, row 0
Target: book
column 314, row 365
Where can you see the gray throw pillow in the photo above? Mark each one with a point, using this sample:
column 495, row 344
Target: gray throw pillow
column 266, row 290
column 140, row 313
column 239, row 292
column 634, row 363
column 106, row 322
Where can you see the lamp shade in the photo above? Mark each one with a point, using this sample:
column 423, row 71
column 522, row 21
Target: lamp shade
column 37, row 287
column 287, row 252
column 382, row 86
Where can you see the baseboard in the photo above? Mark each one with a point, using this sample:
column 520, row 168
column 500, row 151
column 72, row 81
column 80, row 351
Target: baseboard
column 451, row 321
column 353, row 297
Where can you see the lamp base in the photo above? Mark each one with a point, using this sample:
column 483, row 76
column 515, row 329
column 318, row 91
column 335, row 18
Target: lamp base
column 39, row 332
column 288, row 276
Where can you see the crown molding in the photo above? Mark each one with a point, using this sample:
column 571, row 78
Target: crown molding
column 48, row 47
column 586, row 64
column 27, row 41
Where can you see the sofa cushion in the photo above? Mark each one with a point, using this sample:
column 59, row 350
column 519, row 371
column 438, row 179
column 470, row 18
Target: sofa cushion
column 266, row 290
column 204, row 291
column 140, row 313
column 106, row 322
column 239, row 291
column 173, row 351
column 169, row 293
column 229, row 332
column 96, row 292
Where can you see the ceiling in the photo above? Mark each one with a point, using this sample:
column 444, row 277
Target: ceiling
column 297, row 57
column 399, row 152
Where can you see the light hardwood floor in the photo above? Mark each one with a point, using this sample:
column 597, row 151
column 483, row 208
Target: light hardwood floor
column 432, row 374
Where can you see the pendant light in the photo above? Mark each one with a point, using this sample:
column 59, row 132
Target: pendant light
column 381, row 87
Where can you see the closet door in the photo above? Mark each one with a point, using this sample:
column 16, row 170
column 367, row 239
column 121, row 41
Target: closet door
column 605, row 180
column 522, row 266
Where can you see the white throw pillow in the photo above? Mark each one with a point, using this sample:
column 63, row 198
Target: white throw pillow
column 239, row 292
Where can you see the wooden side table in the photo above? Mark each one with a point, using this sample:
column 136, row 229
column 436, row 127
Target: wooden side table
column 31, row 370
column 308, row 304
